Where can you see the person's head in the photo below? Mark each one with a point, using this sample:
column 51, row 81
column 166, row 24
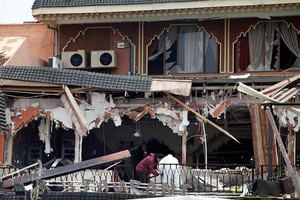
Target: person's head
column 158, row 157
column 144, row 146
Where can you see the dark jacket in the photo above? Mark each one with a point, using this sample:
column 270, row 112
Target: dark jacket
column 147, row 165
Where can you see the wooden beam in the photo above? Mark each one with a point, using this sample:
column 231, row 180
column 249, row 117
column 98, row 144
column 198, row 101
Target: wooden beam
column 290, row 169
column 250, row 91
column 60, row 171
column 174, row 86
column 32, row 90
column 79, row 90
column 279, row 86
column 75, row 112
column 8, row 82
column 225, row 87
column 257, row 136
column 202, row 117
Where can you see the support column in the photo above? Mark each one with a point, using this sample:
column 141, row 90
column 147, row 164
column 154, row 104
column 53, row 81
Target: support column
column 78, row 148
column 8, row 150
column 257, row 136
column 183, row 147
column 2, row 148
column 141, row 46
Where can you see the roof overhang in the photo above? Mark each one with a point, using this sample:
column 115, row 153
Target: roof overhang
column 197, row 10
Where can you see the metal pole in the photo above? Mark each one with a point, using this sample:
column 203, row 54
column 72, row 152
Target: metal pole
column 205, row 144
column 183, row 147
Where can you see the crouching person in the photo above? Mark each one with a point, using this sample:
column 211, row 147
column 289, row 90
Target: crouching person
column 148, row 166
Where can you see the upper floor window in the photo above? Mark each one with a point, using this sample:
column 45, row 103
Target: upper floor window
column 183, row 49
column 271, row 46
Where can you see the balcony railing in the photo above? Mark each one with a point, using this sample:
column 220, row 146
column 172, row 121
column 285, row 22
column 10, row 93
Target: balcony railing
column 227, row 180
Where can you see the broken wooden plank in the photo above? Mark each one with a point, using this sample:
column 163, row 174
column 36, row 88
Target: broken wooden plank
column 290, row 169
column 76, row 114
column 59, row 171
column 202, row 117
column 280, row 85
column 257, row 139
column 178, row 87
column 250, row 91
column 287, row 95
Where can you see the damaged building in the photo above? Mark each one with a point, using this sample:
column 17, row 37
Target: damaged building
column 196, row 79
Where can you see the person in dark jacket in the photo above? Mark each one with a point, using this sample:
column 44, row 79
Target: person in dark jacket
column 148, row 166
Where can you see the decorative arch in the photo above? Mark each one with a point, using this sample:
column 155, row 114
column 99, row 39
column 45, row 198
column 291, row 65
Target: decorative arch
column 167, row 29
column 253, row 27
column 83, row 32
column 157, row 36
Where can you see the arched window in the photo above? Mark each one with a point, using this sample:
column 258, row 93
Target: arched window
column 183, row 49
column 270, row 46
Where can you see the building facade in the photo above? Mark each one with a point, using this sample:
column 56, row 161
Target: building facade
column 214, row 44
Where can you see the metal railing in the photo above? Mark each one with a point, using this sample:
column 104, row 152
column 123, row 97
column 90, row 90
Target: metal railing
column 174, row 179
column 15, row 172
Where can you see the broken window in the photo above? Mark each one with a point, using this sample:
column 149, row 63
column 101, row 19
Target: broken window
column 270, row 46
column 183, row 49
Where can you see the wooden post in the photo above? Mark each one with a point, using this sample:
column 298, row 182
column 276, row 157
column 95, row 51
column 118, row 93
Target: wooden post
column 183, row 147
column 291, row 144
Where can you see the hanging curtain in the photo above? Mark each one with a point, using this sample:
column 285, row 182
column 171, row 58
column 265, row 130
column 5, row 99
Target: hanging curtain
column 189, row 51
column 211, row 55
column 289, row 37
column 297, row 62
column 165, row 42
column 269, row 44
column 256, row 50
column 170, row 52
column 193, row 54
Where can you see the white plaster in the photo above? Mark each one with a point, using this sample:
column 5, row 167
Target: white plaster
column 167, row 112
column 8, row 116
column 185, row 122
column 291, row 118
column 101, row 110
column 44, row 133
column 172, row 123
column 97, row 109
column 297, row 127
column 287, row 118
column 60, row 114
column 111, row 102
column 116, row 118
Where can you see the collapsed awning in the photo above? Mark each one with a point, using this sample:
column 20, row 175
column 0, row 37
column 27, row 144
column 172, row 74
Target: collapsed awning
column 94, row 80
column 79, row 78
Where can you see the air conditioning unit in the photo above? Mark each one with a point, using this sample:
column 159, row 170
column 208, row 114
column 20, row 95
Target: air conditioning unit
column 54, row 62
column 103, row 59
column 73, row 59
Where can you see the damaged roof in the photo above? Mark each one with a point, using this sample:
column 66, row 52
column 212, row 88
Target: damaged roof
column 76, row 78
column 70, row 77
